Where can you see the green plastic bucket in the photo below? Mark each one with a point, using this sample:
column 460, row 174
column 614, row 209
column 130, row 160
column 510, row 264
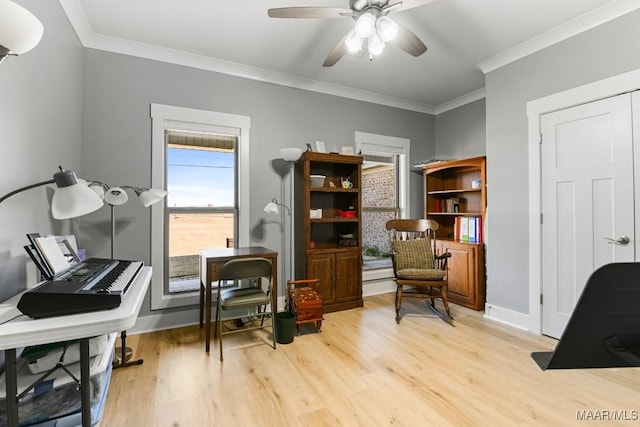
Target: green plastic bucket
column 285, row 327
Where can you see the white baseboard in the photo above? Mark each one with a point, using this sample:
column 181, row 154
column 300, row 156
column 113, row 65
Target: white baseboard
column 506, row 316
column 375, row 287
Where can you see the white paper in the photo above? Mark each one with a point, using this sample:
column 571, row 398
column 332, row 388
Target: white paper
column 52, row 253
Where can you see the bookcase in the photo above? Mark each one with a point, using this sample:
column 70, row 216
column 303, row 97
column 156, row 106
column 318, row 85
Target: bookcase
column 456, row 194
column 327, row 223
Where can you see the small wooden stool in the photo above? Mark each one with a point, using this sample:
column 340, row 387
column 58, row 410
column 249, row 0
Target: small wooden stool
column 305, row 302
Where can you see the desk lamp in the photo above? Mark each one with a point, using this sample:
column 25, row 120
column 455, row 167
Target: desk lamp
column 71, row 198
column 20, row 30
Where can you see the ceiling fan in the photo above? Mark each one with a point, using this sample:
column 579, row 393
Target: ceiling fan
column 372, row 30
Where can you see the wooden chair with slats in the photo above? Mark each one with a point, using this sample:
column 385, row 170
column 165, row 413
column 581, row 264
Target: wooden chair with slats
column 416, row 264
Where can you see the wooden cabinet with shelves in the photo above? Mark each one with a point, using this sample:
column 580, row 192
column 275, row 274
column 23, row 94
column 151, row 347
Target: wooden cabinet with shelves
column 328, row 246
column 455, row 190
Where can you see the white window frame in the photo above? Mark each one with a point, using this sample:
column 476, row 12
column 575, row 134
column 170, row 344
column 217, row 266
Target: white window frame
column 164, row 117
column 375, row 143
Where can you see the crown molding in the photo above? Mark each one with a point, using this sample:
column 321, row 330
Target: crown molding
column 599, row 16
column 89, row 39
column 460, row 101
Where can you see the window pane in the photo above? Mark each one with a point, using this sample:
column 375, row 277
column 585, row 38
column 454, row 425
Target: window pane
column 190, row 232
column 200, row 178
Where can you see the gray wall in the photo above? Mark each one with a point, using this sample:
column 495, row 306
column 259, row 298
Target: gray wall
column 461, row 132
column 605, row 51
column 40, row 117
column 117, row 134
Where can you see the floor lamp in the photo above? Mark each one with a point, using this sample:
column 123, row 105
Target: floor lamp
column 117, row 196
column 291, row 155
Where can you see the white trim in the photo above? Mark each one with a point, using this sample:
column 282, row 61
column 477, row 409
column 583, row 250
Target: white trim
column 587, row 93
column 589, row 20
column 377, row 287
column 506, row 316
column 377, row 274
column 460, row 101
column 163, row 117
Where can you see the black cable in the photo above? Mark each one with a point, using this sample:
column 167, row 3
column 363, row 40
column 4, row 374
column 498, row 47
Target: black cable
column 13, row 318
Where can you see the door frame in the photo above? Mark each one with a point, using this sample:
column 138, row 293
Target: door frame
column 590, row 92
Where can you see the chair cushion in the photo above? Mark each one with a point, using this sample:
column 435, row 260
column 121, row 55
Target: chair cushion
column 414, row 254
column 236, row 298
column 420, row 274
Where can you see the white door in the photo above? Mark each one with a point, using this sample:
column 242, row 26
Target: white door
column 587, row 200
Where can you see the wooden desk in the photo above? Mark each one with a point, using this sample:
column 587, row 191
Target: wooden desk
column 24, row 331
column 212, row 260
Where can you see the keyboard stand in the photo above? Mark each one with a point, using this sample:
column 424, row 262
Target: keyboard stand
column 125, row 354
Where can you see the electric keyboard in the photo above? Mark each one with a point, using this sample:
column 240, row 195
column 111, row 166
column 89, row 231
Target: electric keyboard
column 91, row 285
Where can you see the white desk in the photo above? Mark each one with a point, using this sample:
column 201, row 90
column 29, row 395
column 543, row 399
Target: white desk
column 25, row 331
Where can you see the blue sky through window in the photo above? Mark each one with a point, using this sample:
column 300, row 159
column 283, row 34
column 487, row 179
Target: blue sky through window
column 200, row 178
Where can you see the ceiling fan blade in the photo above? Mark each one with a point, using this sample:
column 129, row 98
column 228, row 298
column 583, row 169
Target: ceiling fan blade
column 409, row 42
column 308, row 12
column 338, row 51
column 405, row 4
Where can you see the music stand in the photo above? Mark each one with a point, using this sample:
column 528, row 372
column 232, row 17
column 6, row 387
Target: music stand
column 604, row 329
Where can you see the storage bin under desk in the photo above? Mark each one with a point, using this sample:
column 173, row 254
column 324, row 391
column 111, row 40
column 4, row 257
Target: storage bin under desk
column 56, row 402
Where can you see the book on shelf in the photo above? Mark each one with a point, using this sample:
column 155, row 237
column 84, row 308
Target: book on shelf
column 452, row 205
column 464, row 229
column 456, row 228
column 467, row 229
column 472, row 230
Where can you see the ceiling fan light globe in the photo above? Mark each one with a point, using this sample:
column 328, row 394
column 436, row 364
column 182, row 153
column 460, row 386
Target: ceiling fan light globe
column 387, row 28
column 375, row 44
column 366, row 25
column 354, row 41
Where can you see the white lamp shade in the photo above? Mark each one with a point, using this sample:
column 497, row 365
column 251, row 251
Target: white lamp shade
column 365, row 25
column 20, row 30
column 375, row 44
column 73, row 201
column 116, row 196
column 98, row 189
column 271, row 207
column 151, row 196
column 387, row 28
column 354, row 41
column 291, row 154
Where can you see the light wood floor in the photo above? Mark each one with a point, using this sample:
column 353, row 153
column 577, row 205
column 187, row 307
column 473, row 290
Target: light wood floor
column 365, row 370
